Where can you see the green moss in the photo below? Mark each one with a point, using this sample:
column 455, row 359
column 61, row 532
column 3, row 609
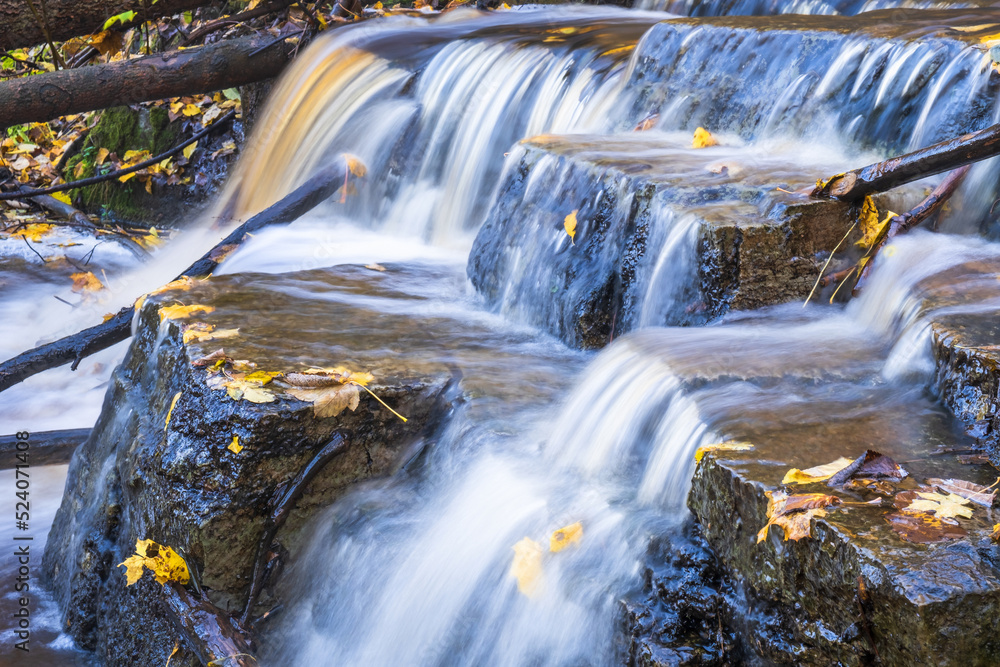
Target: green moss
column 121, row 129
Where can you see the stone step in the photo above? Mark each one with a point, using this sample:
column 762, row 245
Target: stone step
column 666, row 234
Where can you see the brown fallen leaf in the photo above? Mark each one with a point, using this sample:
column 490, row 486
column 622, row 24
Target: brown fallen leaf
column 793, row 514
column 222, row 252
column 86, row 282
column 871, row 485
column 375, row 267
column 923, row 528
column 329, row 401
column 980, row 495
column 647, row 123
column 816, row 473
column 870, row 465
column 212, row 358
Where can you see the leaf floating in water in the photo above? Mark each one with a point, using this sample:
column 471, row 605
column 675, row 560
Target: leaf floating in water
column 647, row 123
column 329, row 401
column 183, row 284
column 86, row 282
column 35, row 231
column 816, row 473
column 923, row 528
column 569, row 224
column 180, row 312
column 980, row 495
column 562, row 538
column 375, row 267
column 793, row 514
column 870, row 465
column 248, row 391
column 170, row 411
column 163, row 561
column 199, row 331
column 732, row 446
column 703, row 139
column 527, row 566
column 940, row 505
column 235, row 447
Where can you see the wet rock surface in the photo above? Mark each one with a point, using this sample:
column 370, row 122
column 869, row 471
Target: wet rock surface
column 180, row 483
column 665, row 234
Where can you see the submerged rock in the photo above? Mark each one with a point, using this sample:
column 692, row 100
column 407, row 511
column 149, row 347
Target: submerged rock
column 174, row 460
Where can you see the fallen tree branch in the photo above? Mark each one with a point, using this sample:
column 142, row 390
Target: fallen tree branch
column 70, row 18
column 282, row 507
column 248, row 15
column 215, row 637
column 47, row 447
column 935, row 159
column 224, row 64
column 93, row 180
column 73, row 349
column 901, row 224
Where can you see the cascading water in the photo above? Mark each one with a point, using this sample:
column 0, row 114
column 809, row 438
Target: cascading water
column 414, row 570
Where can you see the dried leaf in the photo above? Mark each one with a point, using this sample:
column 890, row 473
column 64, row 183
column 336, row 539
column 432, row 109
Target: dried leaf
column 222, row 252
column 569, row 224
column 171, row 410
column 732, row 446
column 980, row 495
column 189, row 149
column 870, row 465
column 647, row 123
column 995, row 535
column 923, row 528
column 235, row 447
column 562, row 538
column 211, row 359
column 816, row 473
column 793, row 514
column 184, row 283
column 35, row 231
column 703, row 139
column 355, row 165
column 86, row 282
column 375, row 267
column 329, row 401
column 527, row 566
column 180, row 312
column 940, row 505
column 199, row 331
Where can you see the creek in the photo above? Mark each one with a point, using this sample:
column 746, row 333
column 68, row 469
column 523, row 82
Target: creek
column 465, row 215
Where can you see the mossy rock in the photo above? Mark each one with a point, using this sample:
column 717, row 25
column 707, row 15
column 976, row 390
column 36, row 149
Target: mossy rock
column 122, row 129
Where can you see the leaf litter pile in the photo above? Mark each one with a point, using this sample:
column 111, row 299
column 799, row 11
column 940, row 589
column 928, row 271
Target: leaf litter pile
column 924, row 515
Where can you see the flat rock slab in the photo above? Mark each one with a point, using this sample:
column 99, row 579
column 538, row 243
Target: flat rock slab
column 161, row 463
column 923, row 603
column 665, row 234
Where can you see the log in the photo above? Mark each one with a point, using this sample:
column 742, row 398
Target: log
column 68, row 18
column 74, row 348
column 935, row 159
column 225, row 64
column 213, row 635
column 46, row 448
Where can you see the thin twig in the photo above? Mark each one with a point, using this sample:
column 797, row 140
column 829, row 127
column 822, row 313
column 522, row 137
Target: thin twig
column 20, row 194
column 32, row 249
column 827, row 263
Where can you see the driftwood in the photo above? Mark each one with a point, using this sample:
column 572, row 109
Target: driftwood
column 46, row 448
column 62, row 19
column 282, row 506
column 73, row 349
column 225, row 64
column 215, row 637
column 935, row 159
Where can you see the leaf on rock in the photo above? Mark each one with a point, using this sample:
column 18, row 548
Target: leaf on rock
column 199, row 331
column 329, row 401
column 86, row 282
column 212, row 359
column 569, row 224
column 816, row 473
column 793, row 514
column 923, row 528
column 703, row 139
column 235, row 447
column 171, row 410
column 248, row 391
column 940, row 505
column 562, row 538
column 189, row 149
column 995, row 535
column 527, row 566
column 872, row 229
column 731, row 446
column 870, row 465
column 980, row 495
column 180, row 312
column 355, row 165
column 163, row 561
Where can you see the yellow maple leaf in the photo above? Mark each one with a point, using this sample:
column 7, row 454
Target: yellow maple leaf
column 163, row 562
column 63, row 197
column 703, row 139
column 86, row 282
column 180, row 312
column 527, row 566
column 942, row 506
column 248, row 391
column 872, row 229
column 35, row 231
column 190, row 110
column 732, row 446
column 235, row 447
column 816, row 473
column 562, row 538
column 569, row 224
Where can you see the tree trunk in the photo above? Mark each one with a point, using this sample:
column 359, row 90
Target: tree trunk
column 935, row 159
column 68, row 18
column 214, row 636
column 225, row 64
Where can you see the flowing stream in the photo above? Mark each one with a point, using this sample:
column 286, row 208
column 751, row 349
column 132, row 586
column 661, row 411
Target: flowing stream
column 415, row 569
